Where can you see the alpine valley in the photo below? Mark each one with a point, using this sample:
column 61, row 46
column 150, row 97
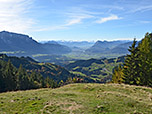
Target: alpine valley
column 89, row 61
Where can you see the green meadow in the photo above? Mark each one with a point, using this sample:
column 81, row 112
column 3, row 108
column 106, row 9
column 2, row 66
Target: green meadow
column 79, row 99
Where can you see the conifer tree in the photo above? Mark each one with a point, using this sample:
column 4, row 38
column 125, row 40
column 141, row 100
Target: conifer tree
column 131, row 66
column 33, row 78
column 40, row 80
column 9, row 77
column 22, row 79
column 145, row 48
column 1, row 80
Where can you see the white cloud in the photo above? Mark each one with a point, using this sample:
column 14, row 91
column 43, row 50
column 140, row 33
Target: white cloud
column 74, row 16
column 79, row 15
column 110, row 18
column 142, row 8
column 77, row 19
column 64, row 26
column 74, row 21
column 12, row 15
column 8, row 1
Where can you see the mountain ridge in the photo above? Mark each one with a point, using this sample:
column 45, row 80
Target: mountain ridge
column 108, row 47
column 10, row 41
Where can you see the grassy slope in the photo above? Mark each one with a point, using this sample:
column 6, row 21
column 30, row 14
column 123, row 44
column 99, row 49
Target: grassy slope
column 79, row 99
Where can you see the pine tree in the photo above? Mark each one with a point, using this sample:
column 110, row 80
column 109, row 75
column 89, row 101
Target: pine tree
column 22, row 79
column 138, row 64
column 32, row 78
column 9, row 77
column 131, row 66
column 40, row 80
column 145, row 48
column 1, row 78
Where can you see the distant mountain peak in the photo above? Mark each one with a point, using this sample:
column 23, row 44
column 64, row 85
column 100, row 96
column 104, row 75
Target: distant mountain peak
column 4, row 31
column 109, row 47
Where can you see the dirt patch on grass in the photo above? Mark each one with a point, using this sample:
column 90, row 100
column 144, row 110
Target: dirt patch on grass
column 137, row 98
column 68, row 106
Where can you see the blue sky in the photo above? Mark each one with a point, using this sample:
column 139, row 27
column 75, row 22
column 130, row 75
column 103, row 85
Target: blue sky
column 77, row 19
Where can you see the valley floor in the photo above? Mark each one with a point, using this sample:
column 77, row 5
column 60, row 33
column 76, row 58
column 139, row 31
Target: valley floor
column 79, row 99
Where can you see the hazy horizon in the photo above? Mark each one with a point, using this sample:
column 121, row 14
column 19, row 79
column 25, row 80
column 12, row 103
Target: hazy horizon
column 82, row 40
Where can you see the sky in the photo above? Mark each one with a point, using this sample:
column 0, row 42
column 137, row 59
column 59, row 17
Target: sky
column 79, row 20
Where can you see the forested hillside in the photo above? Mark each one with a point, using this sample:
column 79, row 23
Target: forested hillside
column 52, row 71
column 99, row 70
column 30, row 74
column 12, row 78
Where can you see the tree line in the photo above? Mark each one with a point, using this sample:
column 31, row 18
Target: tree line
column 12, row 79
column 137, row 68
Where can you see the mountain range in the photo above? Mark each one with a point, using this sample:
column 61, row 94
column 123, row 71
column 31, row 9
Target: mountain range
column 23, row 43
column 74, row 44
column 109, row 47
column 102, row 47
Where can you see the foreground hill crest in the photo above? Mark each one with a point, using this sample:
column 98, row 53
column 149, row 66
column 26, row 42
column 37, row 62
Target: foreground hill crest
column 80, row 99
